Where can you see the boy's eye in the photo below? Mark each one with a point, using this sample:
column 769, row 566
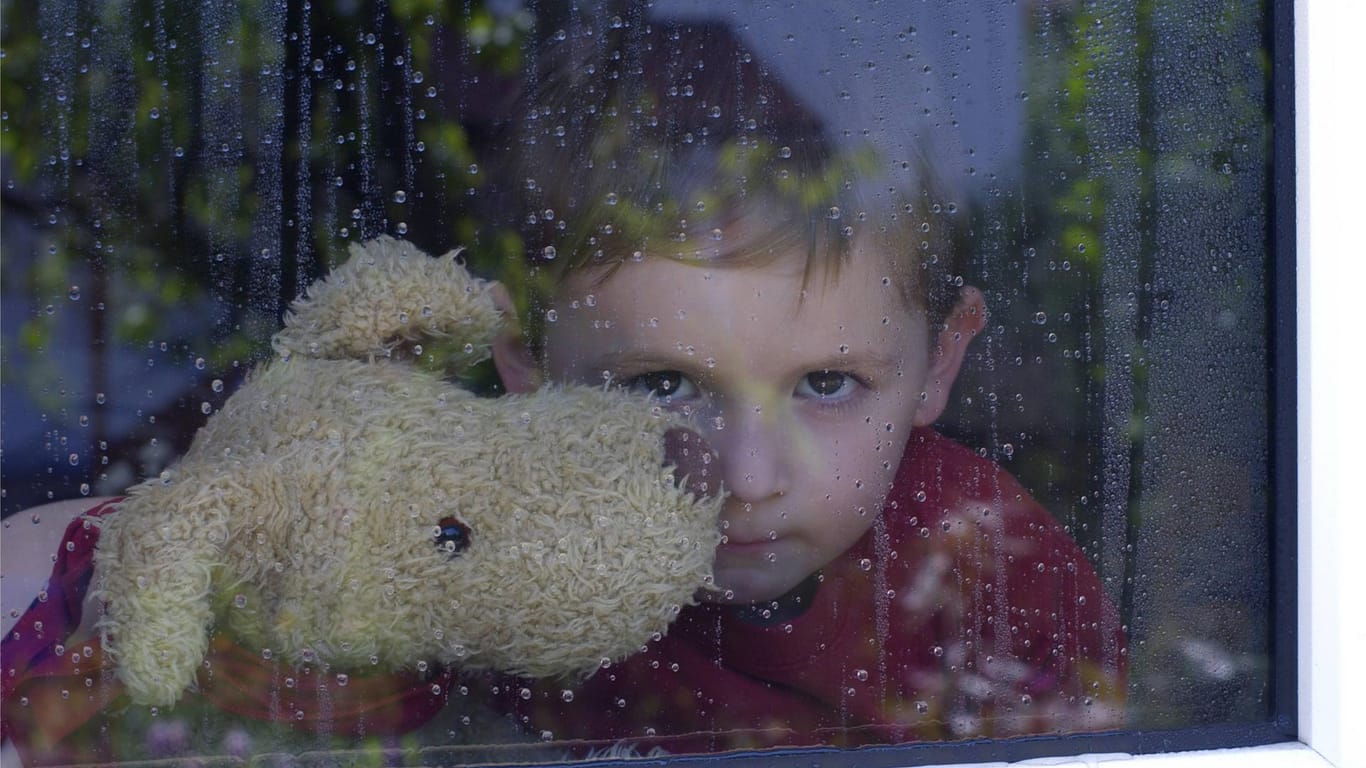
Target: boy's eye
column 666, row 385
column 824, row 385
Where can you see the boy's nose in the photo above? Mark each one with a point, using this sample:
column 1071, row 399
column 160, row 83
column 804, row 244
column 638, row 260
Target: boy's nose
column 751, row 451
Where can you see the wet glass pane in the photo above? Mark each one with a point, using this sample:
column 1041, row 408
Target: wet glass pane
column 811, row 375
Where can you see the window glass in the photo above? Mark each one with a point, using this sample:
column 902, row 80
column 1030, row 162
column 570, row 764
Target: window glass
column 964, row 307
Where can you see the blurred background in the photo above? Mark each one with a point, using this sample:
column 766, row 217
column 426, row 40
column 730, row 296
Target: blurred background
column 174, row 174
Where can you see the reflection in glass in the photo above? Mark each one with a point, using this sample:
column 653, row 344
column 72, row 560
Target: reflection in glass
column 174, row 177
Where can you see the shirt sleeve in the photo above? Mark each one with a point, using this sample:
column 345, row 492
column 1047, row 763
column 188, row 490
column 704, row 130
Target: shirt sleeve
column 37, row 667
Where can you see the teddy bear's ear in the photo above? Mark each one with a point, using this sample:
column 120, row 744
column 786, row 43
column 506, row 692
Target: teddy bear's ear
column 388, row 295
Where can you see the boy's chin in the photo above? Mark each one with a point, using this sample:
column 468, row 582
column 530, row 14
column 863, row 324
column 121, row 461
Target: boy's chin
column 748, row 589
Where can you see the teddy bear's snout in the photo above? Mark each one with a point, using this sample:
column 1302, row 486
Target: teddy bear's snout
column 452, row 536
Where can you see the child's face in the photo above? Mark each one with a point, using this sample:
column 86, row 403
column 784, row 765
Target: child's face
column 807, row 401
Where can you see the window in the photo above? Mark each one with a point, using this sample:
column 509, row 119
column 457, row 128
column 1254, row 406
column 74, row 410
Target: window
column 260, row 146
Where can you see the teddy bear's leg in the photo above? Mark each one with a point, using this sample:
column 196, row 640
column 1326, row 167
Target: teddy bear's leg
column 154, row 569
column 386, row 295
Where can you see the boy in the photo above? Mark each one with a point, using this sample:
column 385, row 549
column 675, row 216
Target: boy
column 699, row 239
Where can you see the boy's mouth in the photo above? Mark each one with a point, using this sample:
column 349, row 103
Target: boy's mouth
column 747, row 547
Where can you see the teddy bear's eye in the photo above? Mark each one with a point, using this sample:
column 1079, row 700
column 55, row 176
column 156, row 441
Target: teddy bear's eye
column 452, row 536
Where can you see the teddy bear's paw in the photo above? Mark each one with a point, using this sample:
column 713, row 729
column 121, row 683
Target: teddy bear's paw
column 388, row 297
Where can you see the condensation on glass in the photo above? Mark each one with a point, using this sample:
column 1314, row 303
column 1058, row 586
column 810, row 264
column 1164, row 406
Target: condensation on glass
column 175, row 175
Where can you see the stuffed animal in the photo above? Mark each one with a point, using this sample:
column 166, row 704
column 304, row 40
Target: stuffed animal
column 347, row 509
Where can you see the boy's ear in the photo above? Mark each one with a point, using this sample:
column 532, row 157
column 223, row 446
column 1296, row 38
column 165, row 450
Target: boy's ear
column 965, row 321
column 512, row 358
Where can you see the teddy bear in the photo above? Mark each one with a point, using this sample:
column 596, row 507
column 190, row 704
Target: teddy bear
column 348, row 509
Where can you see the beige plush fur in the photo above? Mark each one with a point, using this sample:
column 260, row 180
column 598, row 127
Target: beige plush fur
column 304, row 517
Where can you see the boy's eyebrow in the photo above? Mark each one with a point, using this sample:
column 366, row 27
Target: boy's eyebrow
column 634, row 358
column 653, row 360
column 856, row 359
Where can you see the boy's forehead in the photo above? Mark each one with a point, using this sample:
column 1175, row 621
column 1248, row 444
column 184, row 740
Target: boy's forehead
column 788, row 279
column 655, row 305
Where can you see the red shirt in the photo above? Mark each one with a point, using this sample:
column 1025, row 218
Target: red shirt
column 965, row 611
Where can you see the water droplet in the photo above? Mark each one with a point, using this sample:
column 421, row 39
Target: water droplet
column 99, row 398
column 216, row 385
column 566, row 695
column 938, row 651
column 1040, row 318
column 833, row 213
column 922, row 707
column 551, row 316
column 74, row 293
column 343, row 679
column 861, row 675
column 525, row 694
column 865, row 564
column 400, row 196
column 548, row 253
column 267, row 654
